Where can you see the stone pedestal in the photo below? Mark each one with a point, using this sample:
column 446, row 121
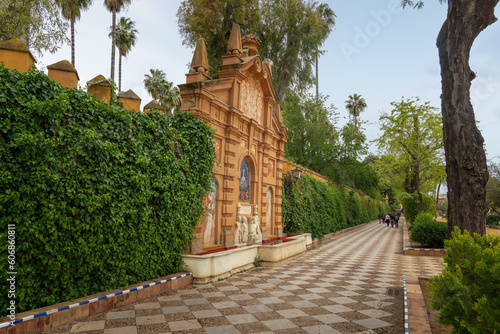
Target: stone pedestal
column 64, row 73
column 16, row 56
column 100, row 88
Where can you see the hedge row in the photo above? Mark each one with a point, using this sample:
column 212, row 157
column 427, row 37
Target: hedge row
column 101, row 197
column 312, row 206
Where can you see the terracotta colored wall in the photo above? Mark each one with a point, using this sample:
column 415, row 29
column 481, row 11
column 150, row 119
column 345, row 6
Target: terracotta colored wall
column 15, row 60
column 130, row 104
column 67, row 79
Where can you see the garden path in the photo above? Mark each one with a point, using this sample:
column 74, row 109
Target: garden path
column 353, row 284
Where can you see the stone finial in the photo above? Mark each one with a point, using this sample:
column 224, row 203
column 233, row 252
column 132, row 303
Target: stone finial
column 16, row 56
column 234, row 44
column 251, row 43
column 64, row 73
column 130, row 100
column 100, row 88
column 199, row 63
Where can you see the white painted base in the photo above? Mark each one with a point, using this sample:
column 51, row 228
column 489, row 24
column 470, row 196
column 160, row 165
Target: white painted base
column 211, row 267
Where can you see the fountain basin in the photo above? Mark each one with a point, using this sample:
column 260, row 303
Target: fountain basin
column 212, row 267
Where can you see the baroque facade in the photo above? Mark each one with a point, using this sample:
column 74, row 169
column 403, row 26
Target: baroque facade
column 242, row 107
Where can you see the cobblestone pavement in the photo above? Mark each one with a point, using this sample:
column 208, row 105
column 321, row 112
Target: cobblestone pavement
column 353, row 284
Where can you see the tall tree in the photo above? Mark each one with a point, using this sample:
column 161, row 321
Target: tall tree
column 38, row 23
column 352, row 134
column 163, row 91
column 126, row 37
column 411, row 139
column 466, row 164
column 114, row 6
column 355, row 105
column 291, row 32
column 71, row 10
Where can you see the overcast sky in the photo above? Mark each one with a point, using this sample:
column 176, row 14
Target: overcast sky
column 377, row 50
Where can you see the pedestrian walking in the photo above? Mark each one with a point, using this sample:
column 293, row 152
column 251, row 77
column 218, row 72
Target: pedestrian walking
column 391, row 215
column 396, row 219
column 387, row 219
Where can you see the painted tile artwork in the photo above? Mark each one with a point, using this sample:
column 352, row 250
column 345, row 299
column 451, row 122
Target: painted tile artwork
column 244, row 182
column 252, row 99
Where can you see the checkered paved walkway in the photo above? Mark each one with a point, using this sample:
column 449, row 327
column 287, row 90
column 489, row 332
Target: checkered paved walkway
column 350, row 285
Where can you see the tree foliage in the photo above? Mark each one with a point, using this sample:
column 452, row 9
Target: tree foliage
column 163, row 91
column 411, row 143
column 101, row 197
column 126, row 37
column 493, row 188
column 38, row 23
column 291, row 32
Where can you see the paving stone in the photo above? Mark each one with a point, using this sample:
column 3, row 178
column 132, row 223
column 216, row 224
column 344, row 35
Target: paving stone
column 169, row 298
column 184, row 325
column 270, row 300
column 292, row 313
column 241, row 318
column 175, row 309
column 120, row 315
column 377, row 304
column 151, row 319
column 375, row 313
column 329, row 318
column 228, row 288
column 228, row 329
column 281, row 293
column 147, row 306
column 257, row 308
column 302, row 304
column 196, row 301
column 343, row 300
column 206, row 314
column 221, row 305
column 241, row 297
column 321, row 329
column 121, row 330
column 337, row 308
column 278, row 324
column 372, row 323
column 88, row 326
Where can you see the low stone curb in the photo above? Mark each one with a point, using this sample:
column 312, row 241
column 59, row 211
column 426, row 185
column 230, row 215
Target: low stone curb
column 418, row 320
column 55, row 315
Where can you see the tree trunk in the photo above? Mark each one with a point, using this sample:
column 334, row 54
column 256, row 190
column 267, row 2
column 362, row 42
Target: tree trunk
column 437, row 198
column 466, row 168
column 73, row 43
column 113, row 45
column 119, row 72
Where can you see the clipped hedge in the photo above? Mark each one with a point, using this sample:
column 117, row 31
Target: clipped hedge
column 466, row 293
column 311, row 206
column 101, row 197
column 429, row 232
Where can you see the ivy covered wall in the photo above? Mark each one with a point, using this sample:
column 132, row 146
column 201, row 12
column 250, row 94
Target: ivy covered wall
column 101, row 197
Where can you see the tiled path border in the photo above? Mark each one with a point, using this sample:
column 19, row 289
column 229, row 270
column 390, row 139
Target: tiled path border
column 418, row 320
column 56, row 315
column 418, row 251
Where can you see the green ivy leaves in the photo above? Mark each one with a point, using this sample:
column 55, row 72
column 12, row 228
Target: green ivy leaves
column 102, row 197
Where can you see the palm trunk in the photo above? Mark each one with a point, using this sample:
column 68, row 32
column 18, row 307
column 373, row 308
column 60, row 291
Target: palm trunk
column 317, row 79
column 73, row 43
column 113, row 45
column 466, row 166
column 119, row 72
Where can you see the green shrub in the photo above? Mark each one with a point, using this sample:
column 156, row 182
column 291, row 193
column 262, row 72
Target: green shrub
column 466, row 293
column 312, row 206
column 101, row 197
column 429, row 232
column 411, row 205
column 492, row 220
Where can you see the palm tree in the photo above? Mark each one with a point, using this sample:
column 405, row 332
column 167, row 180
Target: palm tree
column 155, row 82
column 71, row 10
column 163, row 91
column 126, row 36
column 356, row 105
column 114, row 6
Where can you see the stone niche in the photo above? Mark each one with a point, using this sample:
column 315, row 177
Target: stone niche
column 242, row 107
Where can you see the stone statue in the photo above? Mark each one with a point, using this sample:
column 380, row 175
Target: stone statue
column 241, row 235
column 258, row 231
